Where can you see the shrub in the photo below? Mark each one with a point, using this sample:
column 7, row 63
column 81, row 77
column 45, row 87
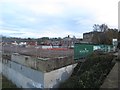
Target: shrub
column 91, row 73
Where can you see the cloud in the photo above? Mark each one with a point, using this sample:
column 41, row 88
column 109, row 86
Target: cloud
column 38, row 18
column 104, row 11
column 52, row 31
column 119, row 15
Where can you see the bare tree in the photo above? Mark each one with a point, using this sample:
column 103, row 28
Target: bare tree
column 103, row 27
column 105, row 34
column 96, row 27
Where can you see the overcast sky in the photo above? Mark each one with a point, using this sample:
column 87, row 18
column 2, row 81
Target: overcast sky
column 55, row 18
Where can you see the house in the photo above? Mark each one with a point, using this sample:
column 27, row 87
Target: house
column 32, row 43
column 88, row 37
column 69, row 42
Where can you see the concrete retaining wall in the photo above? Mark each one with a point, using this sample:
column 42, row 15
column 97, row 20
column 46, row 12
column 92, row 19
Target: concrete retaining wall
column 54, row 78
column 26, row 77
column 22, row 76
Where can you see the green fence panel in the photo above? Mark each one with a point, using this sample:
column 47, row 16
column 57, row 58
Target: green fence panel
column 82, row 50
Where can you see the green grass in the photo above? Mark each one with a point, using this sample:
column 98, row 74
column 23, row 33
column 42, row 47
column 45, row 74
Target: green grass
column 7, row 83
column 92, row 72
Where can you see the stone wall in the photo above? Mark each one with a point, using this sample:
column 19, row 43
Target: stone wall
column 41, row 64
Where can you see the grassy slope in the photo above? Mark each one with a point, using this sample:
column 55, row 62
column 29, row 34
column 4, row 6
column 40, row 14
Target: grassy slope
column 92, row 73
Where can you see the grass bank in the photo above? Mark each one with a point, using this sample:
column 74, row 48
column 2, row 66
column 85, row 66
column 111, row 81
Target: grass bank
column 91, row 73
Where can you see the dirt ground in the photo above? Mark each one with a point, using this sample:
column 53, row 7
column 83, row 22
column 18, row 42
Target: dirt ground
column 57, row 57
column 38, row 52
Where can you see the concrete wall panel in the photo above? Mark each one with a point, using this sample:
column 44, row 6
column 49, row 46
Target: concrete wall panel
column 54, row 78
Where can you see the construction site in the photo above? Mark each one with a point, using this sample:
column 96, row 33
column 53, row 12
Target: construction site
column 49, row 67
column 42, row 68
column 40, row 59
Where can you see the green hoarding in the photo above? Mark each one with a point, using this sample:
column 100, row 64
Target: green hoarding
column 82, row 50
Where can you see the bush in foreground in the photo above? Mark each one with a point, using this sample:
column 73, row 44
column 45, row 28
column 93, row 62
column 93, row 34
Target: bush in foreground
column 91, row 73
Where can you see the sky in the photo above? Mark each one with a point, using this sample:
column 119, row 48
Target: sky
column 55, row 18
